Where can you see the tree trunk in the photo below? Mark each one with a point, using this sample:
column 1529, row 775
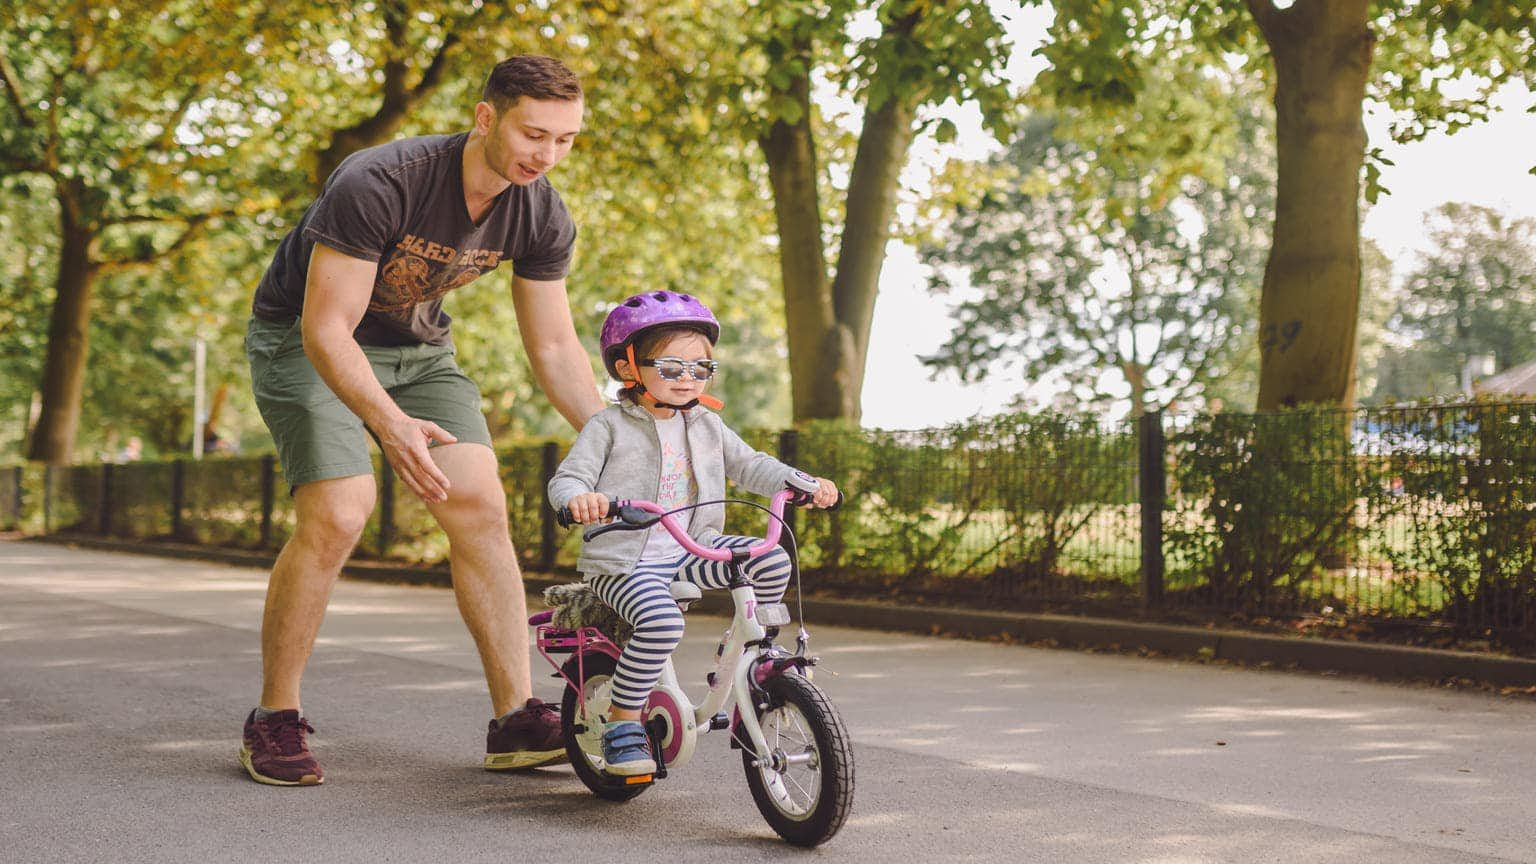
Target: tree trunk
column 1311, row 296
column 829, row 322
column 53, row 441
column 790, row 152
column 872, row 188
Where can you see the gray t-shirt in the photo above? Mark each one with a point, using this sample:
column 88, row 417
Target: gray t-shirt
column 402, row 205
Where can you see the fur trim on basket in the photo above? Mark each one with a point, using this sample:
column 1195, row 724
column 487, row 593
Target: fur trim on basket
column 577, row 605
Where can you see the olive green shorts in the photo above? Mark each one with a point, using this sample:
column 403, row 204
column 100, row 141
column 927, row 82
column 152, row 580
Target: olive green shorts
column 319, row 438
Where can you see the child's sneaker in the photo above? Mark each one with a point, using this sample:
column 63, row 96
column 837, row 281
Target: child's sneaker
column 274, row 751
column 626, row 750
column 526, row 738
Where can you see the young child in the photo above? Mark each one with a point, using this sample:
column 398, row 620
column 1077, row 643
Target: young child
column 657, row 444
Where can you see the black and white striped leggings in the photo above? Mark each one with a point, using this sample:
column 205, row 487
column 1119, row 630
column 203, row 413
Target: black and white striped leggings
column 644, row 599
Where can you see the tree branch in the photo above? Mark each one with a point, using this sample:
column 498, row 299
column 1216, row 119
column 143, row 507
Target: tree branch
column 195, row 227
column 13, row 91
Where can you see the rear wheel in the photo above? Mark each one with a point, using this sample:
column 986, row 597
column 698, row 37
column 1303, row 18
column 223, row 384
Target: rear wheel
column 805, row 786
column 584, row 735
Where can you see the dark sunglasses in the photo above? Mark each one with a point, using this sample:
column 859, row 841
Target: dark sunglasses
column 672, row 368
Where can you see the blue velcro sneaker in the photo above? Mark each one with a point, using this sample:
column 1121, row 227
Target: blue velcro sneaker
column 626, row 750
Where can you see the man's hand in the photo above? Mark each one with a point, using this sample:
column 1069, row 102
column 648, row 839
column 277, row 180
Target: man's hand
column 588, row 507
column 404, row 443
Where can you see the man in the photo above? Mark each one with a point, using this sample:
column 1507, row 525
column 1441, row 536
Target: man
column 348, row 338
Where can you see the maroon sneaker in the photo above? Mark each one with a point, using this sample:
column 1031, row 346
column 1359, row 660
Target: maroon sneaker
column 274, row 751
column 530, row 736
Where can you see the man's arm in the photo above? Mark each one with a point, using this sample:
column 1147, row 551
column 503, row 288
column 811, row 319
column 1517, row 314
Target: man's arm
column 335, row 297
column 558, row 360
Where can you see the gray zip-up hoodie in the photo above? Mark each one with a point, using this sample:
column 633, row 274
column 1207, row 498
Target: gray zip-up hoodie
column 618, row 453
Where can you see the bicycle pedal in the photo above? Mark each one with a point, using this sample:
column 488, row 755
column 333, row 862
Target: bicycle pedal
column 638, row 779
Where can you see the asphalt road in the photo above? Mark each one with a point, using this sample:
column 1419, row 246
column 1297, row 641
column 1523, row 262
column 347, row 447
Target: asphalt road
column 124, row 680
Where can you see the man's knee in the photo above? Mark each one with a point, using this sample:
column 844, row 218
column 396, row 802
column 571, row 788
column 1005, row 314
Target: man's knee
column 334, row 512
column 480, row 507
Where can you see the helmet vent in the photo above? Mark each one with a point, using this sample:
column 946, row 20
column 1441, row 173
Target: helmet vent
column 633, row 303
column 662, row 296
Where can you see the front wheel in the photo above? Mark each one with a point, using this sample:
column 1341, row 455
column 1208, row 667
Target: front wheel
column 584, row 735
column 805, row 786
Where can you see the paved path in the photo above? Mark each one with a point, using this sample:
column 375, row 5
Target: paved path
column 124, row 679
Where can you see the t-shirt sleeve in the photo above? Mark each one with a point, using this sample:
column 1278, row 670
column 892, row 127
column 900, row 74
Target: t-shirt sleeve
column 359, row 213
column 549, row 256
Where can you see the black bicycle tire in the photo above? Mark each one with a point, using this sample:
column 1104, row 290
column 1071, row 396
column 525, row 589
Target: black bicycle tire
column 835, row 797
column 603, row 785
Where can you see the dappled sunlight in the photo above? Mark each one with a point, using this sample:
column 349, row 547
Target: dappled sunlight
column 1003, row 765
column 377, row 607
column 1402, row 757
column 1236, row 714
column 1422, row 746
column 465, row 685
column 1252, row 810
column 36, row 728
column 205, row 745
column 1023, row 730
column 1009, row 672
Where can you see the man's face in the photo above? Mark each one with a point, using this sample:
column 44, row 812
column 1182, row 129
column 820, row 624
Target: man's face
column 529, row 138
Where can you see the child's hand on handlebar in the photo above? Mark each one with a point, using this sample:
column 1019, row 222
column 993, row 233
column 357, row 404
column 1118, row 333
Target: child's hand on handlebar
column 825, row 495
column 588, row 507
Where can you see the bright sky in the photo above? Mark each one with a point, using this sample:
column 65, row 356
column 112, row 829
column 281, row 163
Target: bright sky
column 1487, row 164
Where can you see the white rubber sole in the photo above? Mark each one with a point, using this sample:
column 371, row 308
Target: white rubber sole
column 245, row 759
column 523, row 759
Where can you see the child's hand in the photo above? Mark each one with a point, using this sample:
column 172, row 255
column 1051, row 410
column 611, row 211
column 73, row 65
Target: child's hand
column 588, row 507
column 826, row 493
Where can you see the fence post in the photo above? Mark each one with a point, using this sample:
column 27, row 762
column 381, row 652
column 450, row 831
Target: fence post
column 386, row 508
column 47, row 499
column 1154, row 494
column 104, row 501
column 268, row 497
column 21, row 501
column 549, row 460
column 789, row 454
column 178, row 495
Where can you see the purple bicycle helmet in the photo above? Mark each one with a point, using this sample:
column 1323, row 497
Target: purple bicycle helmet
column 652, row 309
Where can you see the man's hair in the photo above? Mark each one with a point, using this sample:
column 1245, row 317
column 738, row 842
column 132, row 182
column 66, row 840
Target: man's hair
column 530, row 75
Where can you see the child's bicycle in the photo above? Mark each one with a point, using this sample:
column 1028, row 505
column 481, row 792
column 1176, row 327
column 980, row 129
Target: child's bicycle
column 795, row 749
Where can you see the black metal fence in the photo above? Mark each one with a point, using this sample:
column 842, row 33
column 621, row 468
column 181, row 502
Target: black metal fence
column 1414, row 522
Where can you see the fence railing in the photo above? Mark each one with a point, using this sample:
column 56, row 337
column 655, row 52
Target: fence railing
column 1420, row 520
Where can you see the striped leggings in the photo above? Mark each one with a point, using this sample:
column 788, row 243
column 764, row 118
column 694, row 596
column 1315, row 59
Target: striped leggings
column 644, row 599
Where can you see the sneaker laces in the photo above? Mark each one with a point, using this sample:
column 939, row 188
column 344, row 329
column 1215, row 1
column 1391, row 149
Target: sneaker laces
column 289, row 737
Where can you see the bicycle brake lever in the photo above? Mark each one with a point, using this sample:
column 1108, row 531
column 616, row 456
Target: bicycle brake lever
column 626, row 518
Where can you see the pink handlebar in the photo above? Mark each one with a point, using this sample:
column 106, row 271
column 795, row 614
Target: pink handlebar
column 775, row 506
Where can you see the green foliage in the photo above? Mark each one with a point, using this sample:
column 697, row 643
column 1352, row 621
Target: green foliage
column 1464, row 488
column 981, row 509
column 1265, row 502
column 1474, row 294
column 1434, row 63
column 1112, row 257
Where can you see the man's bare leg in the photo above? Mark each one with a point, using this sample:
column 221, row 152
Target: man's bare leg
column 486, row 579
column 330, row 519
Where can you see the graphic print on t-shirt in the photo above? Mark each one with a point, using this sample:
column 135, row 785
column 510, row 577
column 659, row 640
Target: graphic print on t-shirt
column 417, row 271
column 678, row 487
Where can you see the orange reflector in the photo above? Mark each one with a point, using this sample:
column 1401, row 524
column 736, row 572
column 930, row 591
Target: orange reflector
column 637, row 779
